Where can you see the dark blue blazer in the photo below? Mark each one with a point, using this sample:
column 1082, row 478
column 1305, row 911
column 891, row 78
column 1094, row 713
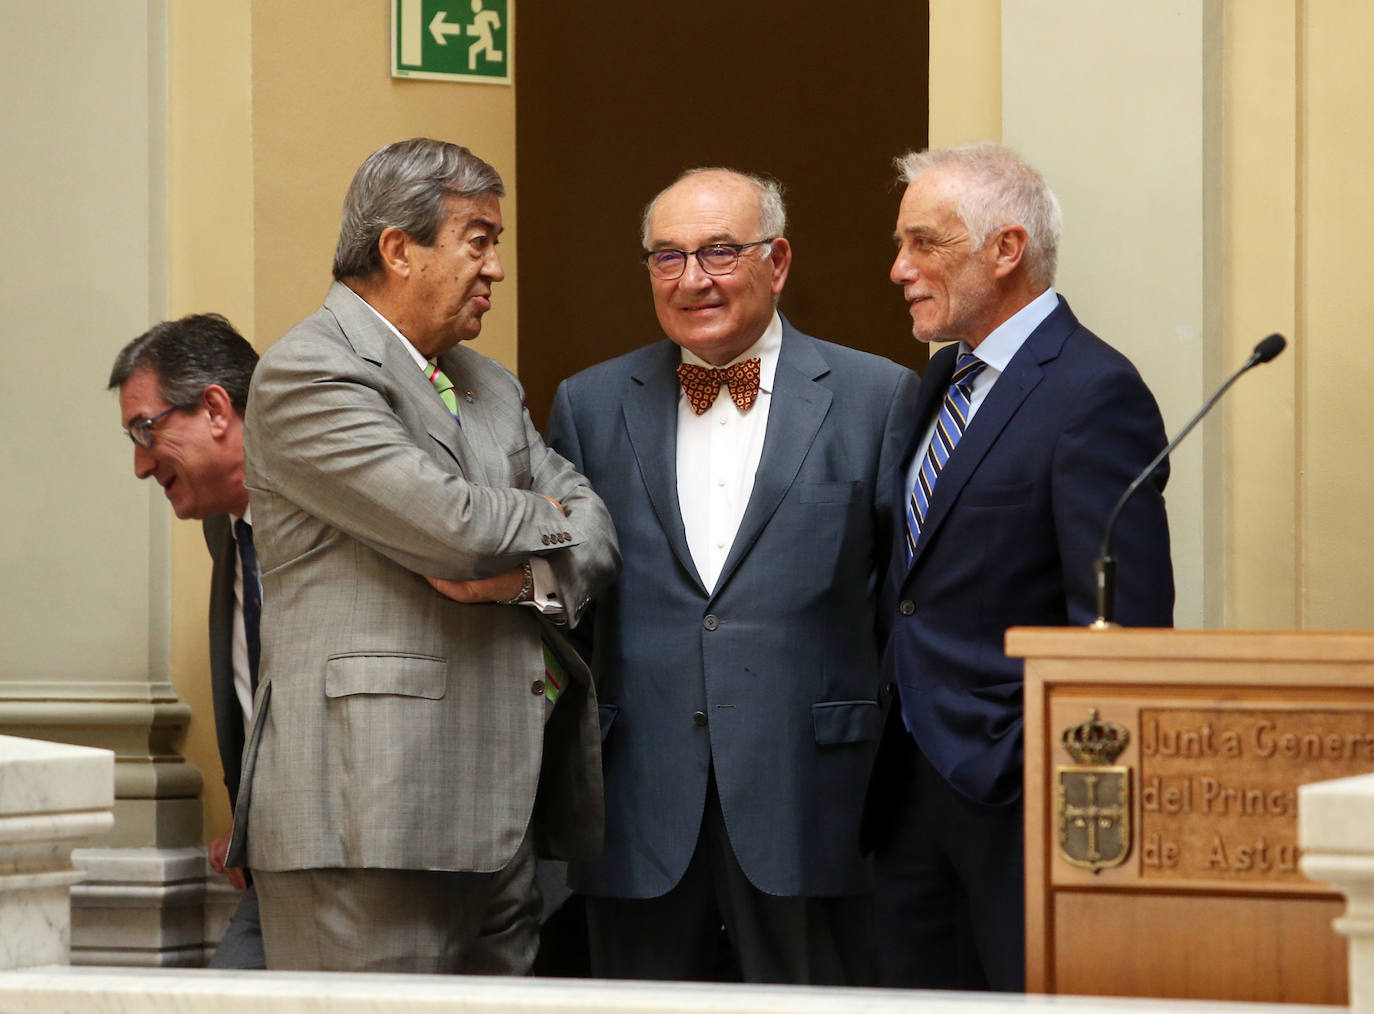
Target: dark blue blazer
column 773, row 678
column 1013, row 529
column 219, row 539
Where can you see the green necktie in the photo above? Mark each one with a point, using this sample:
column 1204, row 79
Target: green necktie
column 445, row 388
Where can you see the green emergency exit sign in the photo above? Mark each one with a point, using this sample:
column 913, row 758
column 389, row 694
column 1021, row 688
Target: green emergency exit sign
column 452, row 40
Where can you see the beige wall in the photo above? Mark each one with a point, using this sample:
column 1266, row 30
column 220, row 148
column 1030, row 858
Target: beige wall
column 1127, row 150
column 965, row 71
column 266, row 131
column 84, row 564
column 1263, row 216
column 1335, row 415
column 1289, row 134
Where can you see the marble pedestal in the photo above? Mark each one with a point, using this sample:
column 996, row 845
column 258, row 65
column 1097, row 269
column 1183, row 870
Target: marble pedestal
column 143, row 907
column 51, row 797
column 1336, row 833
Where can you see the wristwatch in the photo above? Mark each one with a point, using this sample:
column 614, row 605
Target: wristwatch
column 526, row 587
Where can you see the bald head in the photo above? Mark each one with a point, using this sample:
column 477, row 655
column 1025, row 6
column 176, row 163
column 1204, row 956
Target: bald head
column 766, row 194
column 720, row 303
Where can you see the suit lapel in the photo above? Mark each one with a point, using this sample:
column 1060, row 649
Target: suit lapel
column 1012, row 388
column 374, row 341
column 650, row 411
column 798, row 407
column 467, row 441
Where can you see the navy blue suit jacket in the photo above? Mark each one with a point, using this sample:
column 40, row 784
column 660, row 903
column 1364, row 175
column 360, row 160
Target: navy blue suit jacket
column 1014, row 525
column 219, row 539
column 774, row 677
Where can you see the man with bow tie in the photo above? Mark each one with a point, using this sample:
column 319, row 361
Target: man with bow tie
column 749, row 470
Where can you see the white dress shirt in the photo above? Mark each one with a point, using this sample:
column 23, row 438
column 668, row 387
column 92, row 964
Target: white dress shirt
column 717, row 455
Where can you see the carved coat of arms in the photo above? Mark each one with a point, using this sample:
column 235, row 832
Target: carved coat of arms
column 1095, row 796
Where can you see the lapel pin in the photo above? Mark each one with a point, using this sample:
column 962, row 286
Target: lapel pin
column 468, row 396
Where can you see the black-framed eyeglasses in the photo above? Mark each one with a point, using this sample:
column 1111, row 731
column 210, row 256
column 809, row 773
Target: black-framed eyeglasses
column 714, row 258
column 141, row 433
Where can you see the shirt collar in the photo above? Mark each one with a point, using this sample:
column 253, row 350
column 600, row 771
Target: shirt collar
column 766, row 348
column 1007, row 338
column 420, row 360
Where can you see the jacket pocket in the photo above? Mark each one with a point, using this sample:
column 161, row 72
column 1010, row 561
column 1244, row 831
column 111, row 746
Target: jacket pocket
column 846, row 721
column 402, row 674
column 827, row 492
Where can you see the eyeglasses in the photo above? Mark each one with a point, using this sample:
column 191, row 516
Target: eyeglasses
column 141, row 433
column 714, row 258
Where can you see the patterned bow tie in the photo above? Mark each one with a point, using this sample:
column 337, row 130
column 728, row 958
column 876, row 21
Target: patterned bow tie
column 701, row 384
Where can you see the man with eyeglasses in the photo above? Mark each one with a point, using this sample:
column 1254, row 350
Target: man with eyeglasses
column 749, row 472
column 183, row 387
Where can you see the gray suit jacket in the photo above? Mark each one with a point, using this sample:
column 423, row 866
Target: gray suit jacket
column 773, row 678
column 395, row 728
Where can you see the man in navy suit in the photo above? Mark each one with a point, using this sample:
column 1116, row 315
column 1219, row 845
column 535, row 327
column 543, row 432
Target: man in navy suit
column 1027, row 432
column 737, row 658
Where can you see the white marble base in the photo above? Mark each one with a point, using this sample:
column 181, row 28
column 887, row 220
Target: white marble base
column 125, row 991
column 1336, row 833
column 143, row 907
column 51, row 796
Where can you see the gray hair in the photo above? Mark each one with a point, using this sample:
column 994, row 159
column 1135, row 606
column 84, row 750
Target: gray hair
column 1000, row 189
column 403, row 186
column 187, row 356
column 772, row 213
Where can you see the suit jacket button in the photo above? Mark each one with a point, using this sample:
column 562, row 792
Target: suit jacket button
column 698, row 718
column 710, row 623
column 544, row 539
column 537, row 688
column 907, row 607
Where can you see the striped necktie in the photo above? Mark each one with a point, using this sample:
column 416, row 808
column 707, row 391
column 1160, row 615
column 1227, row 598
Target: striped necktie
column 949, row 428
column 445, row 388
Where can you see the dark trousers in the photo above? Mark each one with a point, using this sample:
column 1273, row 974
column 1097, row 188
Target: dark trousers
column 241, row 945
column 950, row 898
column 715, row 925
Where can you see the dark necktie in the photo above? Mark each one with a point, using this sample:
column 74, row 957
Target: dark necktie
column 252, row 597
column 701, row 384
column 949, row 428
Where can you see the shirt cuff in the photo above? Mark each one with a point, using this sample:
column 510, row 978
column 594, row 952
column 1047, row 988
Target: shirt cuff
column 546, row 597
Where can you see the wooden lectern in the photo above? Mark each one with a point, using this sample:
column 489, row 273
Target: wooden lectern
column 1161, row 808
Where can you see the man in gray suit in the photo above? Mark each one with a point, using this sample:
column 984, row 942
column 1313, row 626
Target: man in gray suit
column 183, row 387
column 749, row 470
column 414, row 533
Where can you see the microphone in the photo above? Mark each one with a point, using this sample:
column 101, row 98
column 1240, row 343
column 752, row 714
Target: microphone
column 1105, row 564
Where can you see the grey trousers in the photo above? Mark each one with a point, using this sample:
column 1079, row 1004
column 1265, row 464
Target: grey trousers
column 429, row 921
column 241, row 945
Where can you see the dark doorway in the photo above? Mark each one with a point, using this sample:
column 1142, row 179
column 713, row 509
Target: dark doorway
column 614, row 100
